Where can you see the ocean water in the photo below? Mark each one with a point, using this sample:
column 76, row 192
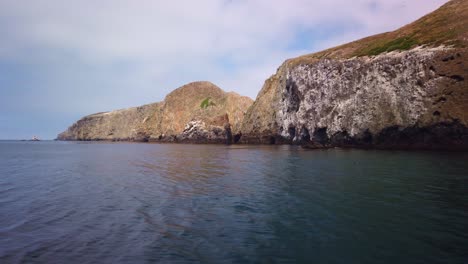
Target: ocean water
column 69, row 202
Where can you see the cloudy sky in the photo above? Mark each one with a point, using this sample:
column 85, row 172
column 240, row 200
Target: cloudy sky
column 63, row 59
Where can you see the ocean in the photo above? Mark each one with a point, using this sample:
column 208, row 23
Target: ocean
column 102, row 202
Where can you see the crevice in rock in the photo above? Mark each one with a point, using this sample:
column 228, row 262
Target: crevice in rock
column 448, row 58
column 457, row 78
column 305, row 135
column 440, row 100
column 292, row 97
column 227, row 129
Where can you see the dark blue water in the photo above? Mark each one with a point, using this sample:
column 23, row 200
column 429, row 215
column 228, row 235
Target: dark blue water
column 147, row 203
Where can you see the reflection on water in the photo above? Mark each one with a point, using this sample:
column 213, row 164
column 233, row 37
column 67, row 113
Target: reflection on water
column 137, row 203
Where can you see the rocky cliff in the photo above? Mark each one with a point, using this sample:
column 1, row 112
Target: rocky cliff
column 400, row 89
column 199, row 112
column 403, row 89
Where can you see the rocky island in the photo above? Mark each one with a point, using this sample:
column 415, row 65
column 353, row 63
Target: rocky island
column 401, row 89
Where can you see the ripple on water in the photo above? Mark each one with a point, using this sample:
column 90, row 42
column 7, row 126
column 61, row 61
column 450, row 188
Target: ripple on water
column 136, row 203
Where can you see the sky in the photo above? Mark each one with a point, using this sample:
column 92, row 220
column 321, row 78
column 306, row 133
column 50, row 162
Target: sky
column 63, row 59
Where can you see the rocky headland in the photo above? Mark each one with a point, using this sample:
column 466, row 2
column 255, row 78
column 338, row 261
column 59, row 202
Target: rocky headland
column 400, row 89
column 199, row 112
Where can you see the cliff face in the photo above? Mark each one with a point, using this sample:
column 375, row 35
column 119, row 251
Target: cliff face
column 368, row 93
column 198, row 112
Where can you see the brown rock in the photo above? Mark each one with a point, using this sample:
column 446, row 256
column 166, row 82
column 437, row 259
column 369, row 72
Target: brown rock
column 179, row 118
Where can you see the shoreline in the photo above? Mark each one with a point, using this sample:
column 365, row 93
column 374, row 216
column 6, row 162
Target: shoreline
column 302, row 146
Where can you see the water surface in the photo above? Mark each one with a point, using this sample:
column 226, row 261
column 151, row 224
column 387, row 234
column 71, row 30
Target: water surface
column 65, row 202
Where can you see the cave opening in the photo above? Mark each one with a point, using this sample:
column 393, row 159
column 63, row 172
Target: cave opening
column 237, row 137
column 320, row 135
column 292, row 132
column 367, row 137
column 272, row 140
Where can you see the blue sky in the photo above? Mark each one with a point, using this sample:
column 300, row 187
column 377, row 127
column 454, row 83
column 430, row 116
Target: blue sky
column 61, row 60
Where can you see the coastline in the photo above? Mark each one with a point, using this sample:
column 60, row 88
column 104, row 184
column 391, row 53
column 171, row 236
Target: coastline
column 308, row 147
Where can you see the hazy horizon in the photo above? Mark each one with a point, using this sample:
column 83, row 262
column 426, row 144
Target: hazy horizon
column 63, row 60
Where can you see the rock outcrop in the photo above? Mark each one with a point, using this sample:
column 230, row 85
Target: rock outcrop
column 403, row 89
column 199, row 112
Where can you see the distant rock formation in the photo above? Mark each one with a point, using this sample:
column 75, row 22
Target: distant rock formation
column 199, row 112
column 402, row 89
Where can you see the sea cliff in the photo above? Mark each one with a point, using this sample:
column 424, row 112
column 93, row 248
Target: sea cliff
column 402, row 89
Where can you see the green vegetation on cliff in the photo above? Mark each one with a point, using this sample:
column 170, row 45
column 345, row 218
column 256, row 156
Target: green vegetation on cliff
column 446, row 26
column 207, row 102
